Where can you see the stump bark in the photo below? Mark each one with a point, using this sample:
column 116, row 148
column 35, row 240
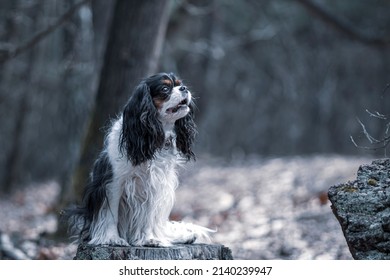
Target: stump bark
column 177, row 252
column 362, row 208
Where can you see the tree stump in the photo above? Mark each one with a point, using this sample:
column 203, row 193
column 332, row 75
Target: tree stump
column 177, row 252
column 362, row 208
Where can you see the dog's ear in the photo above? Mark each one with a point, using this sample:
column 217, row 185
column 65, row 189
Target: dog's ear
column 142, row 132
column 185, row 129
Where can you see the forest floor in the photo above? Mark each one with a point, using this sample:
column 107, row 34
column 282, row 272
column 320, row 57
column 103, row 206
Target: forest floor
column 262, row 208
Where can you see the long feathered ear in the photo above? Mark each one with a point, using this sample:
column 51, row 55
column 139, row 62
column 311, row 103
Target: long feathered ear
column 142, row 133
column 185, row 129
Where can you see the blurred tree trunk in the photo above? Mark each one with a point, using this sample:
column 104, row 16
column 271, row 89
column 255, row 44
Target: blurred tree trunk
column 77, row 67
column 34, row 100
column 102, row 11
column 7, row 28
column 134, row 45
column 74, row 53
column 12, row 157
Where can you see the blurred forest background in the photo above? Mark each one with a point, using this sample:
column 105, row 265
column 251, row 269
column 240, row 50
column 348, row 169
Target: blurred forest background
column 271, row 77
column 280, row 86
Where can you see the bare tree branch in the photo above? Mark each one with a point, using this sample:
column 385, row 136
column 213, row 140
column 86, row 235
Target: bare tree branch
column 375, row 143
column 8, row 52
column 342, row 25
column 368, row 136
column 376, row 114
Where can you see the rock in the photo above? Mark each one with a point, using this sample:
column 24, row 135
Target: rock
column 177, row 252
column 362, row 208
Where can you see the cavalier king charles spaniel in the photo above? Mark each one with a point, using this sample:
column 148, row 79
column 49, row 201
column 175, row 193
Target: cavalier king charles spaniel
column 132, row 185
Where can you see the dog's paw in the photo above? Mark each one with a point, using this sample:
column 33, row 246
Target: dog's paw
column 151, row 242
column 156, row 243
column 118, row 242
column 185, row 238
column 190, row 239
column 187, row 233
column 109, row 241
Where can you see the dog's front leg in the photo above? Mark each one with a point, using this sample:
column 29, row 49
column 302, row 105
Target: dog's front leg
column 104, row 229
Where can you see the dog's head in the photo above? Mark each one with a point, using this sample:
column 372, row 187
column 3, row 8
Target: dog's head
column 158, row 104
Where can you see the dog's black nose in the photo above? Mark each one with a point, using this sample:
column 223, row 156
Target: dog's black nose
column 182, row 88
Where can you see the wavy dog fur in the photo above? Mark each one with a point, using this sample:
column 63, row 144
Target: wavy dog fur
column 132, row 185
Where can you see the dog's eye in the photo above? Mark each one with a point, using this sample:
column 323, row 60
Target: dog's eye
column 165, row 89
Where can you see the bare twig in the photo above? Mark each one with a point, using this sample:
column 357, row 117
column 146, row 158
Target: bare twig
column 382, row 144
column 354, row 142
column 368, row 136
column 375, row 143
column 362, row 147
column 342, row 25
column 376, row 115
column 11, row 52
column 385, row 89
column 387, row 128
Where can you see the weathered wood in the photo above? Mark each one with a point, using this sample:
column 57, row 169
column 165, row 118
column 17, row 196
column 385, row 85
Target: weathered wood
column 177, row 252
column 363, row 209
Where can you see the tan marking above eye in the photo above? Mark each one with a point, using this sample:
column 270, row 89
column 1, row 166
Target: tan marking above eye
column 167, row 82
